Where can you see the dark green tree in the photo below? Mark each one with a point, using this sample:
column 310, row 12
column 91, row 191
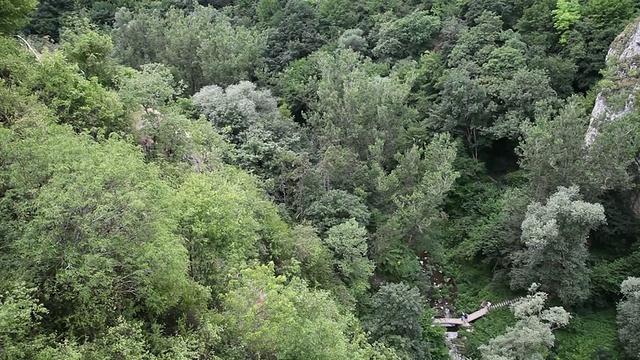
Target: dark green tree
column 396, row 318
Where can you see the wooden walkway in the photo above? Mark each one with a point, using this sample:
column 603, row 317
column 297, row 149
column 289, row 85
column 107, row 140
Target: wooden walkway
column 452, row 322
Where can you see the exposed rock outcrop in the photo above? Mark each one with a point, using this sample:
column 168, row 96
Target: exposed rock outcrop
column 619, row 89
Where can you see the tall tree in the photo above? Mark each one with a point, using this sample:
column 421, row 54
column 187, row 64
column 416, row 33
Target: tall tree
column 203, row 46
column 628, row 317
column 555, row 236
column 532, row 336
column 396, row 320
column 348, row 243
column 413, row 194
column 554, row 154
column 357, row 107
column 266, row 138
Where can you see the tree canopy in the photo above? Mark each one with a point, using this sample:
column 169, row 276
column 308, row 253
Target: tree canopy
column 297, row 179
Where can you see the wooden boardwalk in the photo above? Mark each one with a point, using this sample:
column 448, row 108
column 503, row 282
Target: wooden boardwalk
column 452, row 322
column 449, row 322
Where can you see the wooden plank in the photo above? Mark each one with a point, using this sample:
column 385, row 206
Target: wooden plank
column 478, row 314
column 448, row 321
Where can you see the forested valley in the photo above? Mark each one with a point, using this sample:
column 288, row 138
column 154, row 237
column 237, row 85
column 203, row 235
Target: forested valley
column 319, row 179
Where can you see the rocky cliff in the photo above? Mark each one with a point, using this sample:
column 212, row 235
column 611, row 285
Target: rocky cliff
column 619, row 90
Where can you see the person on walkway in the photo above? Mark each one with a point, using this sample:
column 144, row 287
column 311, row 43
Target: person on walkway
column 489, row 305
column 465, row 318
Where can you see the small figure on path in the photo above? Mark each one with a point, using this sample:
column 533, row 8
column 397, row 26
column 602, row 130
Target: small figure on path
column 465, row 318
column 489, row 305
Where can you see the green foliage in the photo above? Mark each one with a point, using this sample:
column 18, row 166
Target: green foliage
column 532, row 336
column 91, row 50
column 53, row 81
column 249, row 118
column 356, row 107
column 396, row 319
column 203, row 46
column 81, row 103
column 489, row 90
column 628, row 320
column 434, row 335
column 336, row 15
column 553, row 153
column 294, row 36
column 589, row 336
column 49, row 17
column 20, row 315
column 266, row 317
column 566, row 14
column 93, row 216
column 297, row 86
column 336, row 207
column 407, row 36
column 13, row 14
column 354, row 39
column 221, row 215
column 348, row 243
column 152, row 87
column 414, row 193
column 171, row 137
column 555, row 237
column 141, row 226
column 316, row 260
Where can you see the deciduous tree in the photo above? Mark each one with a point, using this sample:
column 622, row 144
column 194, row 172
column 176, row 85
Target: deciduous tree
column 532, row 336
column 555, row 254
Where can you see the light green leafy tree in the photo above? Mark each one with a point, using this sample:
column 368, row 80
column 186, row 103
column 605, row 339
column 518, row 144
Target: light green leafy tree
column 553, row 152
column 628, row 319
column 532, row 335
column 566, row 14
column 555, row 254
column 20, row 314
column 80, row 102
column 223, row 217
column 408, row 36
column 153, row 87
column 356, row 107
column 230, row 53
column 348, row 244
column 91, row 50
column 202, row 46
column 13, row 14
column 171, row 137
column 94, row 217
column 354, row 39
column 264, row 316
column 249, row 118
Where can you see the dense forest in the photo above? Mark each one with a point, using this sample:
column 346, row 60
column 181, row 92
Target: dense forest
column 318, row 179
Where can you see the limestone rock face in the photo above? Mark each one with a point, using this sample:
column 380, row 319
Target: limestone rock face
column 621, row 84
